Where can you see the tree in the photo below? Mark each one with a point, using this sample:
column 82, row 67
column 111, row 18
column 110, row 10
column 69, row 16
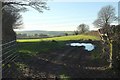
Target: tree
column 76, row 32
column 66, row 34
column 82, row 28
column 38, row 5
column 13, row 9
column 11, row 18
column 105, row 17
column 11, row 15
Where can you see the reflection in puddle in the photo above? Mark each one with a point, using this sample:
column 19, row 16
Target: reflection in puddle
column 88, row 46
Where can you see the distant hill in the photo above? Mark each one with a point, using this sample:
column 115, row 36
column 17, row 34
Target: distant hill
column 49, row 33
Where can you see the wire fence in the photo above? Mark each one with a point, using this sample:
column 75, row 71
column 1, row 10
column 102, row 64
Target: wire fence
column 9, row 54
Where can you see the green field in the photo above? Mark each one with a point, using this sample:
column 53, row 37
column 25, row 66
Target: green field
column 63, row 38
column 30, row 47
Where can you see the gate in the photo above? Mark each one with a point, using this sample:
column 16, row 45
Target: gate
column 9, row 54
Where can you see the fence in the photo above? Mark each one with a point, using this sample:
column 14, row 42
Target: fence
column 8, row 56
column 0, row 37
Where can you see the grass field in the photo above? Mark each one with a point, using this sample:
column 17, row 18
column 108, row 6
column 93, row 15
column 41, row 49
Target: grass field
column 30, row 47
column 63, row 38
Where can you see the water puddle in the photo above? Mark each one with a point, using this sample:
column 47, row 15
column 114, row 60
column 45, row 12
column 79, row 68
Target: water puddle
column 88, row 46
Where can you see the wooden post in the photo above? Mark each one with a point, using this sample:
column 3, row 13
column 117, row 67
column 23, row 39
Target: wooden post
column 110, row 55
column 0, row 40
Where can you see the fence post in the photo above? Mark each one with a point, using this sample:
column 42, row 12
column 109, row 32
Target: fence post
column 0, row 40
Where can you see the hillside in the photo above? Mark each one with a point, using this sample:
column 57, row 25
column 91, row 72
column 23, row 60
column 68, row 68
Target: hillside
column 49, row 33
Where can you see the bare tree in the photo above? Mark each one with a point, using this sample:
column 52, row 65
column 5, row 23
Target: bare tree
column 38, row 5
column 105, row 16
column 82, row 28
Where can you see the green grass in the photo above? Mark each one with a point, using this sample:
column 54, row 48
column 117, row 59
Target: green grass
column 63, row 38
column 64, row 77
column 33, row 48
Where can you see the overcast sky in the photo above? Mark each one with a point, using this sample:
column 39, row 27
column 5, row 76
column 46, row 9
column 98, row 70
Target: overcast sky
column 64, row 16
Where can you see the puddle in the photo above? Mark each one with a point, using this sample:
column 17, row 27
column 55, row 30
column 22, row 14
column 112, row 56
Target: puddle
column 88, row 46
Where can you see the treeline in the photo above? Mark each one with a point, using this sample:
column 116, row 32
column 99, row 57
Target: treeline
column 41, row 35
column 23, row 36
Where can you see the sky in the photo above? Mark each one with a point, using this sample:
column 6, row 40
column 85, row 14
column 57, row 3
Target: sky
column 64, row 16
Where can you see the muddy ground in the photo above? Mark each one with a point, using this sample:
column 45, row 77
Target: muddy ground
column 69, row 62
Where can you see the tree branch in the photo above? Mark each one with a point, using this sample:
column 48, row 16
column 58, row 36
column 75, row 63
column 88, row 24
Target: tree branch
column 18, row 3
